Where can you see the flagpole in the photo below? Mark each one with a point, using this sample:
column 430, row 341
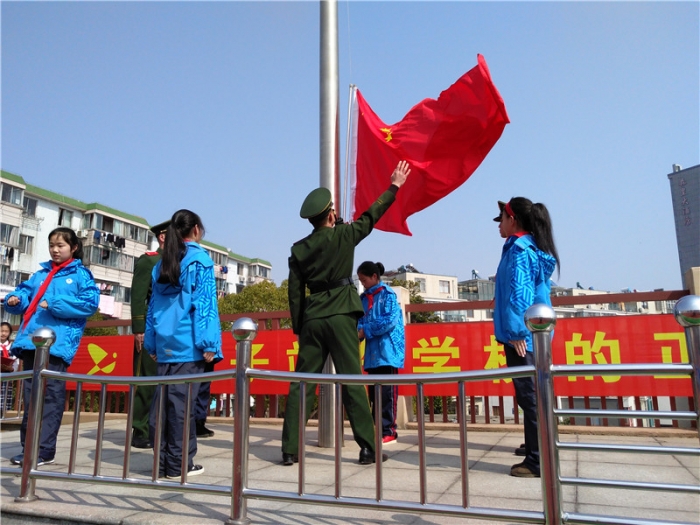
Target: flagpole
column 348, row 136
column 329, row 176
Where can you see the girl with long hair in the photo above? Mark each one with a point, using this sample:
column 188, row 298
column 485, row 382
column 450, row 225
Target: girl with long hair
column 183, row 333
column 523, row 279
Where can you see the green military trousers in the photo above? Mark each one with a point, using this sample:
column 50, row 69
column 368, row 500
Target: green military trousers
column 144, row 365
column 336, row 335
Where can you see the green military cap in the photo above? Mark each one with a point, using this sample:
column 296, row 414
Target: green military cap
column 160, row 228
column 316, row 203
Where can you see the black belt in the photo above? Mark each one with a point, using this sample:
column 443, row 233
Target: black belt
column 327, row 287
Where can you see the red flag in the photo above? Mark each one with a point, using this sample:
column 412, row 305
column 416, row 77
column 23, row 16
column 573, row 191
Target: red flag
column 444, row 141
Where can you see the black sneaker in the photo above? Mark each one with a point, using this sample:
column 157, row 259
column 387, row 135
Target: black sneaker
column 520, row 451
column 19, row 459
column 196, row 470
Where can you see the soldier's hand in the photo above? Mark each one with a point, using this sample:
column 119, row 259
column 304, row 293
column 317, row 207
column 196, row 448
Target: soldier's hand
column 138, row 342
column 400, row 173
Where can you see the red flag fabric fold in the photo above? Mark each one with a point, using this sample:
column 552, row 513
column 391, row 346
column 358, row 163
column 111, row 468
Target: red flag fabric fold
column 444, row 140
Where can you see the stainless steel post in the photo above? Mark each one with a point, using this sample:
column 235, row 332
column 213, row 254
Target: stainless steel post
column 244, row 331
column 329, row 175
column 42, row 339
column 540, row 320
column 687, row 313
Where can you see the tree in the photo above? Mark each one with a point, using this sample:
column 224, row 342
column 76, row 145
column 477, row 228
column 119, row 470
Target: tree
column 107, row 330
column 265, row 296
column 415, row 298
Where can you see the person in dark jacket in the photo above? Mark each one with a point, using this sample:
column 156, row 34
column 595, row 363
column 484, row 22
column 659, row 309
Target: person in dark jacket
column 528, row 260
column 326, row 320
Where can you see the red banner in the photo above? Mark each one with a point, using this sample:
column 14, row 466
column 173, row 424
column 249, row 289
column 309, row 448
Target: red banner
column 453, row 347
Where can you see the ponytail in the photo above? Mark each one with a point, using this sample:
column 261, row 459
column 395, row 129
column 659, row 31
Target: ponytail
column 174, row 248
column 534, row 218
column 541, row 229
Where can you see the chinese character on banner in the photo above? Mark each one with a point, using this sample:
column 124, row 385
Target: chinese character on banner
column 255, row 350
column 435, row 356
column 292, row 354
column 497, row 358
column 588, row 352
column 667, row 352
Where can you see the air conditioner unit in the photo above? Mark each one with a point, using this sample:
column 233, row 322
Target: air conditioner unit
column 82, row 234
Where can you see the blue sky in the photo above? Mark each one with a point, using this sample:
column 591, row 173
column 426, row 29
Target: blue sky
column 149, row 107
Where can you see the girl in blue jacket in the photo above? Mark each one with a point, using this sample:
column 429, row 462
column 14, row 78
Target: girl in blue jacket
column 385, row 343
column 523, row 279
column 60, row 296
column 183, row 332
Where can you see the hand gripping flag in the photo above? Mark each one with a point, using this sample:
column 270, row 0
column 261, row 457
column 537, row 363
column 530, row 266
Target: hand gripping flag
column 444, row 141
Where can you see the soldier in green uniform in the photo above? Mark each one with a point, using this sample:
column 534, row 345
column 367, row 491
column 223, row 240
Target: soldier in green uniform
column 144, row 365
column 326, row 320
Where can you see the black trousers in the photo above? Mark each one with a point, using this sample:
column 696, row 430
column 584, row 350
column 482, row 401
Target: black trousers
column 525, row 395
column 54, row 403
column 390, row 397
column 173, row 421
column 203, row 397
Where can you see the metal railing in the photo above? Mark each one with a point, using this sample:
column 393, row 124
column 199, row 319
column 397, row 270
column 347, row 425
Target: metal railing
column 540, row 320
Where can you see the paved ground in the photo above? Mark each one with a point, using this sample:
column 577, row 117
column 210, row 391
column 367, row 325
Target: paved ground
column 490, row 457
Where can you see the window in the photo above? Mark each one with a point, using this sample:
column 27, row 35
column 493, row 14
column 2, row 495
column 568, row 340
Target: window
column 30, row 206
column 26, row 244
column 11, row 194
column 421, row 285
column 240, row 269
column 7, row 276
column 9, row 234
column 108, row 257
column 261, row 271
column 444, row 286
column 65, row 218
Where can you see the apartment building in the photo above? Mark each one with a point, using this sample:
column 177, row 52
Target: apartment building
column 112, row 241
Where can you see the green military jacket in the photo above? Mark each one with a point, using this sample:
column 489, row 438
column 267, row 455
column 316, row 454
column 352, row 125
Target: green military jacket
column 141, row 289
column 327, row 256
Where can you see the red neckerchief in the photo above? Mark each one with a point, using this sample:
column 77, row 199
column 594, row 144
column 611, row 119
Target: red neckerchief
column 370, row 297
column 42, row 290
column 520, row 234
column 5, row 349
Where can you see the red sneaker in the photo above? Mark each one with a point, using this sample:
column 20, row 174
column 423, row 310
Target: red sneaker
column 388, row 440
